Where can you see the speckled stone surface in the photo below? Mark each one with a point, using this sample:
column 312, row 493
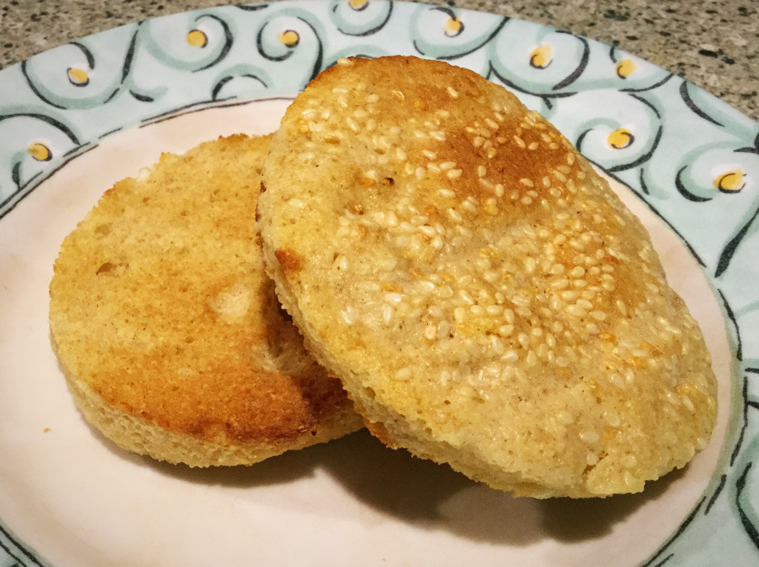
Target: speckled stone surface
column 712, row 43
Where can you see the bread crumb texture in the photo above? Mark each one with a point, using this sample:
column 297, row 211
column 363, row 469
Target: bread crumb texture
column 168, row 330
column 485, row 297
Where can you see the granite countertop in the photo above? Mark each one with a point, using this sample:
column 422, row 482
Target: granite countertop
column 712, row 43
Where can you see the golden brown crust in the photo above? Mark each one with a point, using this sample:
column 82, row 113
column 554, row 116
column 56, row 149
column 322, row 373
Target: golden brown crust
column 161, row 309
column 481, row 292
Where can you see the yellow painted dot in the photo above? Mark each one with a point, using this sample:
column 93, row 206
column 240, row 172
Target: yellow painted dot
column 453, row 27
column 197, row 38
column 39, row 151
column 358, row 4
column 541, row 56
column 620, row 138
column 78, row 77
column 730, row 180
column 290, row 38
column 626, row 67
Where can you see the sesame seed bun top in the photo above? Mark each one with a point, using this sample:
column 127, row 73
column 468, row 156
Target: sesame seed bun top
column 485, row 297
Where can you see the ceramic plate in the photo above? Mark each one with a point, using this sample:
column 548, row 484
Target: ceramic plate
column 77, row 118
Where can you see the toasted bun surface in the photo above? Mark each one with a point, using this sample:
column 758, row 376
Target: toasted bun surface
column 169, row 332
column 485, row 297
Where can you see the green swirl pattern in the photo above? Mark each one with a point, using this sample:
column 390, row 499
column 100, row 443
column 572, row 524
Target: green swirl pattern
column 692, row 159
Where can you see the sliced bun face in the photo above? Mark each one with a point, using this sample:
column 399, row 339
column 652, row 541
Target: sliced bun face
column 168, row 330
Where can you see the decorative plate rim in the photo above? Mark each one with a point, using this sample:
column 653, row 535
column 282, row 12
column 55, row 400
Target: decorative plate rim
column 60, row 104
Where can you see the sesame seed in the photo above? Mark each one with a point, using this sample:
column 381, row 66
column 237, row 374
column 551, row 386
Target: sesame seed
column 393, row 298
column 430, row 331
column 622, row 307
column 629, row 461
column 453, row 92
column 570, row 159
column 342, row 262
column 348, row 315
column 439, row 135
column 524, row 340
column 577, row 272
column 387, row 313
column 617, row 380
column 533, row 146
column 371, row 124
column 673, row 399
column 403, row 374
column 352, row 124
column 519, row 142
column 469, row 206
column 428, row 231
column 420, row 171
column 340, row 90
column 455, row 215
column 520, row 301
column 565, row 417
column 492, row 123
column 576, row 311
column 612, row 419
column 511, row 356
column 345, row 62
column 443, row 328
column 372, row 98
column 532, row 358
column 454, row 173
column 688, row 403
column 496, row 345
column 369, row 286
column 436, row 312
column 482, row 170
column 592, row 459
column 429, row 154
column 589, row 436
column 561, row 361
column 446, row 165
